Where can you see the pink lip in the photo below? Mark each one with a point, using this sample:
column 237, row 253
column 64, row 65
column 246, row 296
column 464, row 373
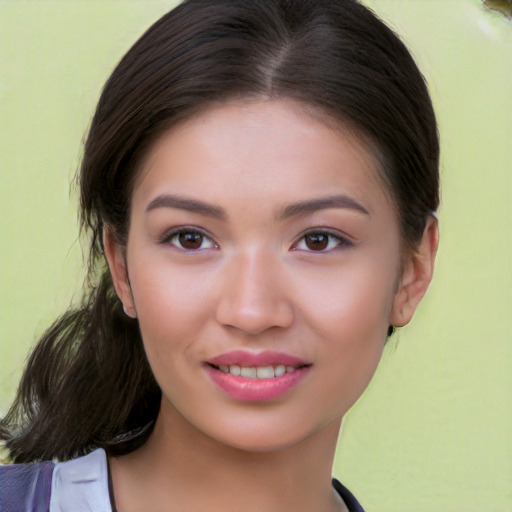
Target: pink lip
column 241, row 388
column 266, row 358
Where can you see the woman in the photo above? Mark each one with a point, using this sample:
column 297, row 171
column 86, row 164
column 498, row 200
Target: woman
column 259, row 182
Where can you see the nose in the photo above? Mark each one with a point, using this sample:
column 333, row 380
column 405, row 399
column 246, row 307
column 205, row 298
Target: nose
column 254, row 298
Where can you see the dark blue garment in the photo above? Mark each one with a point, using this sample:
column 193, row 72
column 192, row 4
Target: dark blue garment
column 26, row 487
column 349, row 499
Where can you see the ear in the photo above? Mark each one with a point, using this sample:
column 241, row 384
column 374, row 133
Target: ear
column 116, row 259
column 417, row 271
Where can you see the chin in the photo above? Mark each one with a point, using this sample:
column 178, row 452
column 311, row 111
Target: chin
column 261, row 438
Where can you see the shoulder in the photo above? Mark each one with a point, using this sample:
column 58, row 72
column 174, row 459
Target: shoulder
column 22, row 486
column 80, row 485
column 349, row 499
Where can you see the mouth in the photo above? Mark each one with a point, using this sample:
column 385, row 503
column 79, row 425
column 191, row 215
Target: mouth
column 259, row 376
column 258, row 372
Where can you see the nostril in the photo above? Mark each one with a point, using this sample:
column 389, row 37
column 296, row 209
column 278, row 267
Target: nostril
column 254, row 316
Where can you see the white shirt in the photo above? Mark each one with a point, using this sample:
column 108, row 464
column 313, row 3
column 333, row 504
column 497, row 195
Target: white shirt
column 81, row 485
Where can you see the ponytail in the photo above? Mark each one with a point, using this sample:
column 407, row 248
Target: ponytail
column 87, row 384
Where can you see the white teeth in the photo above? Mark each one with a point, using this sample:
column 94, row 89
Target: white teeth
column 235, row 370
column 279, row 370
column 248, row 372
column 265, row 372
column 257, row 372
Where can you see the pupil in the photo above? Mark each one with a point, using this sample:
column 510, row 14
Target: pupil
column 191, row 240
column 317, row 242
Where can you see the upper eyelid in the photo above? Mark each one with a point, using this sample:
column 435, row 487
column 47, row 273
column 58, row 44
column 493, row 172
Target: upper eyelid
column 168, row 233
column 325, row 231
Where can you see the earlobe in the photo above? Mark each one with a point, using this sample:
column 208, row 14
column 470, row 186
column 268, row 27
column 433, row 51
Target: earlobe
column 116, row 260
column 416, row 276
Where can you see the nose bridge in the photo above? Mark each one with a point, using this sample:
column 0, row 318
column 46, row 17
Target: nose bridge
column 253, row 296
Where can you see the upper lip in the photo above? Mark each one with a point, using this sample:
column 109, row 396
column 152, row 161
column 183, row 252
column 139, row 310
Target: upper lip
column 265, row 358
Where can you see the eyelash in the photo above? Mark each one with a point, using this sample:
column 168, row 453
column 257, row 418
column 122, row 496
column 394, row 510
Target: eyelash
column 334, row 240
column 173, row 238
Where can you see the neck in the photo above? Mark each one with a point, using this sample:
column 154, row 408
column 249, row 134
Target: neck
column 181, row 466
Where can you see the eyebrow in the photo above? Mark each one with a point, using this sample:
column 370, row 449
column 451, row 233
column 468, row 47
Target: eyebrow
column 291, row 210
column 185, row 203
column 321, row 203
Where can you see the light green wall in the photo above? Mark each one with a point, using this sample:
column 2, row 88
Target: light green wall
column 433, row 432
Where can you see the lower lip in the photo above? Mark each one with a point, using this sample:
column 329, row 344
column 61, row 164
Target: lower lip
column 255, row 390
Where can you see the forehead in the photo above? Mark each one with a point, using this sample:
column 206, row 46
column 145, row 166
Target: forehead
column 261, row 150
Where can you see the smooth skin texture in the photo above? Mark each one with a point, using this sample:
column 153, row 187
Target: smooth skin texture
column 256, row 226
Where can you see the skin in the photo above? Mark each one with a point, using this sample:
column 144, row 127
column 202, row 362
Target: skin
column 258, row 280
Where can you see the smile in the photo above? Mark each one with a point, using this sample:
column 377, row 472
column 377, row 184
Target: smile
column 262, row 376
column 257, row 372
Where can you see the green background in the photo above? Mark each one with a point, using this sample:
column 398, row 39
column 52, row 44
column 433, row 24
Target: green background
column 433, row 431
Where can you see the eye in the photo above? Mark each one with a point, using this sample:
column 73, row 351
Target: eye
column 321, row 241
column 189, row 240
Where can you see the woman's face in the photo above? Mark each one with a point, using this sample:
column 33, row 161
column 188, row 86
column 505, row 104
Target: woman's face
column 262, row 243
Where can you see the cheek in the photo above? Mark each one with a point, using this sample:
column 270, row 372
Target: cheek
column 349, row 316
column 172, row 306
column 353, row 300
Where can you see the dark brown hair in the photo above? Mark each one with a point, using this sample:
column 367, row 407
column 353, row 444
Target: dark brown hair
column 87, row 383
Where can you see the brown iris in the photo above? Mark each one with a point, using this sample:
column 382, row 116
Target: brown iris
column 316, row 241
column 191, row 240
